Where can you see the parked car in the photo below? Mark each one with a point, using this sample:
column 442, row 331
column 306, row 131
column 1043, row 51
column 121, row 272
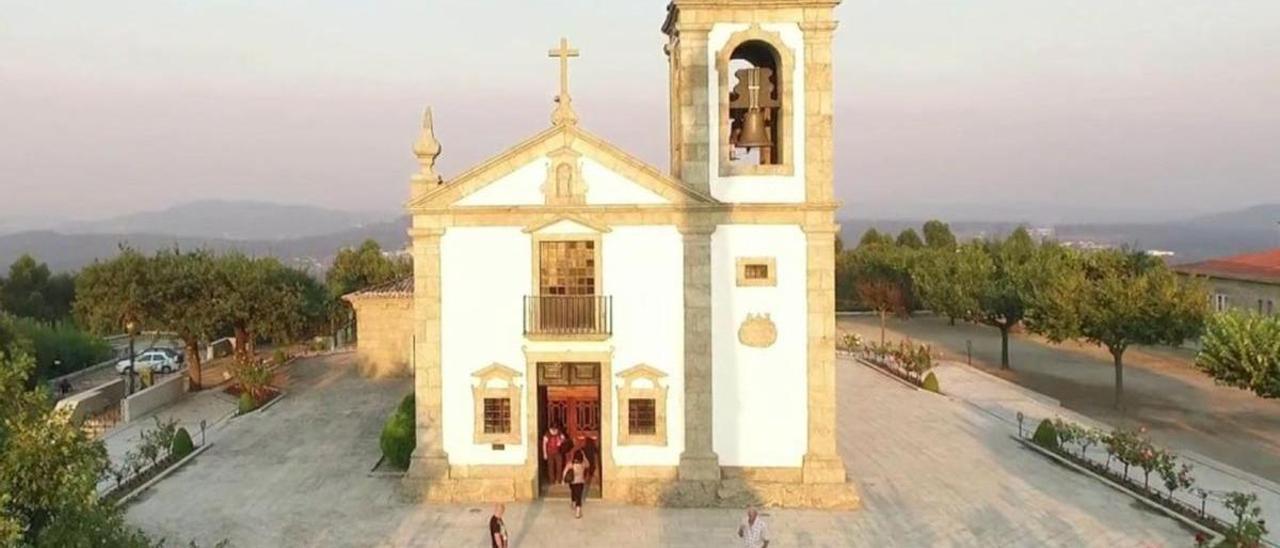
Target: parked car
column 176, row 353
column 155, row 360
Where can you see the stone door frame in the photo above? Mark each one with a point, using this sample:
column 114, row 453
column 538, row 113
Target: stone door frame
column 534, row 437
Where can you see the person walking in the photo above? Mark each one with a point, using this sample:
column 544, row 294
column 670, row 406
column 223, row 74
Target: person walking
column 551, row 454
column 577, row 481
column 497, row 527
column 753, row 532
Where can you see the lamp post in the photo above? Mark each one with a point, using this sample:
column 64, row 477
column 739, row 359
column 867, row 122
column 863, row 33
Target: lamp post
column 130, row 327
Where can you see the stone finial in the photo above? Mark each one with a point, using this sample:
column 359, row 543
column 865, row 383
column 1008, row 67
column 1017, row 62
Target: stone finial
column 427, row 148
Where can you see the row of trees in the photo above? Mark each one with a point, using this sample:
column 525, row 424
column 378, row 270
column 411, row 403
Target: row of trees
column 1113, row 298
column 199, row 295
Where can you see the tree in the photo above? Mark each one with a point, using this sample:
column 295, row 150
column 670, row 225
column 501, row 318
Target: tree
column 948, row 281
column 937, row 235
column 49, row 471
column 1004, row 296
column 356, row 269
column 1117, row 299
column 172, row 290
column 884, row 296
column 1242, row 349
column 182, row 299
column 30, row 291
column 873, row 237
column 909, row 239
column 262, row 298
column 112, row 293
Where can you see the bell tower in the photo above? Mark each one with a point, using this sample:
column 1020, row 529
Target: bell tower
column 751, row 103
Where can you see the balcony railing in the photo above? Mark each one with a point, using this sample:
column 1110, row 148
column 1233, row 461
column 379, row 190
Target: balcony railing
column 568, row 315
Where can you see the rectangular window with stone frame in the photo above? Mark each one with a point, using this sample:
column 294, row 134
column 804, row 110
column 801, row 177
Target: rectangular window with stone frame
column 642, row 418
column 642, row 406
column 497, row 406
column 497, row 415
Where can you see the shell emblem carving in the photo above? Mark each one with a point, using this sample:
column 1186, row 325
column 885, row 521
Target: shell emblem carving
column 758, row 331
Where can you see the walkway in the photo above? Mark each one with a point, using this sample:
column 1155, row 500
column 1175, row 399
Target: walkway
column 933, row 472
column 1181, row 407
column 1004, row 400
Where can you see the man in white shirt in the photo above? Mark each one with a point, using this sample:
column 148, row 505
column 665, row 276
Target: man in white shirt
column 753, row 531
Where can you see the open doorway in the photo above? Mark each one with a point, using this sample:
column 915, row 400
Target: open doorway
column 569, row 398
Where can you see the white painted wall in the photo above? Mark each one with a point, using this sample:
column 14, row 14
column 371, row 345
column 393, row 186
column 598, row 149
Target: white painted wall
column 758, row 188
column 644, row 272
column 759, row 395
column 608, row 187
column 484, row 278
column 524, row 187
column 520, row 187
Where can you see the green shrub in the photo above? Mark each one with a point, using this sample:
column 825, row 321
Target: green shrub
column 279, row 356
column 247, row 403
column 931, row 383
column 1046, row 435
column 398, row 438
column 59, row 348
column 182, row 445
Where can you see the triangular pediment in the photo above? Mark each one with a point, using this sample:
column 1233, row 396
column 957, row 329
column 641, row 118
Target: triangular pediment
column 562, row 166
column 565, row 224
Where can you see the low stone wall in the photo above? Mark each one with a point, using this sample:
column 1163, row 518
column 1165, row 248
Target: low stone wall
column 154, row 397
column 93, row 400
column 384, row 332
column 75, row 376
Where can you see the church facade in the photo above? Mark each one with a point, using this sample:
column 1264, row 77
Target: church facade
column 679, row 326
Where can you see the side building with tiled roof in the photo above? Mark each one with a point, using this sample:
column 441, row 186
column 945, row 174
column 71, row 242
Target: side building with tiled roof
column 384, row 328
column 1250, row 281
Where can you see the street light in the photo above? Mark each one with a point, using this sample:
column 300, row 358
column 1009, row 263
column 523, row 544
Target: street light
column 129, row 327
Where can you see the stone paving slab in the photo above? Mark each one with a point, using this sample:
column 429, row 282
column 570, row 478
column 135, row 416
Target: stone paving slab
column 932, row 471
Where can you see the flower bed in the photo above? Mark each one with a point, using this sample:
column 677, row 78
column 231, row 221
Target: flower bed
column 161, row 448
column 1132, row 450
column 906, row 360
column 262, row 397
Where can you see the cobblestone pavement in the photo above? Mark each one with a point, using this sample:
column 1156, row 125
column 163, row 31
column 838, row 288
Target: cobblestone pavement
column 932, row 471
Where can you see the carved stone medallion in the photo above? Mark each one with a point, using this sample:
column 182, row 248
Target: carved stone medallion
column 758, row 331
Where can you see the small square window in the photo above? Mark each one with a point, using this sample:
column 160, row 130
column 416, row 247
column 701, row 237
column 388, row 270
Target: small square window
column 757, row 271
column 642, row 417
column 497, row 415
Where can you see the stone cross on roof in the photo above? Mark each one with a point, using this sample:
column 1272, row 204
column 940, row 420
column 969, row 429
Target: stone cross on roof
column 563, row 113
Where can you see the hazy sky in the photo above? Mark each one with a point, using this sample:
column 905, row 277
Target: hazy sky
column 110, row 107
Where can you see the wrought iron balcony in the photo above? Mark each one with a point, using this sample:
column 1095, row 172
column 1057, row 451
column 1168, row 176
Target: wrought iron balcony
column 568, row 315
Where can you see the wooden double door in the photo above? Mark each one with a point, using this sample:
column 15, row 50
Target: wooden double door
column 569, row 397
column 576, row 409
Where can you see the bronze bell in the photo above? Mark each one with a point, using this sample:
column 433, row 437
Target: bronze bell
column 753, row 132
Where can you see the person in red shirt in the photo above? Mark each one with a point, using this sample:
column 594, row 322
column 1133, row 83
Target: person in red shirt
column 553, row 457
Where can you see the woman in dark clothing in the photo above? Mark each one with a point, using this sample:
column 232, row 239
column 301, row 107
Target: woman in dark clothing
column 578, row 480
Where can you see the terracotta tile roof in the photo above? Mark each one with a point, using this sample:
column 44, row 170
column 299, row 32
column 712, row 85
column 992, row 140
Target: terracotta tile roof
column 1262, row 266
column 393, row 289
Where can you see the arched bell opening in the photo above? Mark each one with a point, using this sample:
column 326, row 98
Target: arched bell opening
column 755, row 104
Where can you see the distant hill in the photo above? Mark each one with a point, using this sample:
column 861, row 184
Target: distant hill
column 230, row 220
column 74, row 251
column 298, row 234
column 1261, row 217
column 1191, row 239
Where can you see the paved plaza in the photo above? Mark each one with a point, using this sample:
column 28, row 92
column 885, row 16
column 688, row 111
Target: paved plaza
column 1181, row 406
column 933, row 471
